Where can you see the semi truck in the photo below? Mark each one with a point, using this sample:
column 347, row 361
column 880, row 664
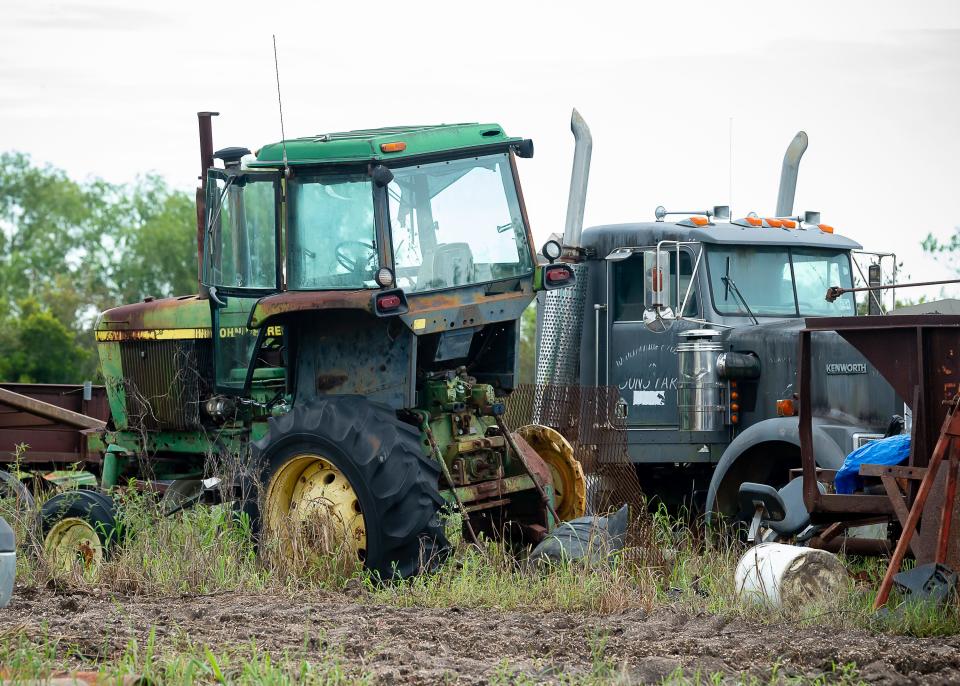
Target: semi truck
column 694, row 318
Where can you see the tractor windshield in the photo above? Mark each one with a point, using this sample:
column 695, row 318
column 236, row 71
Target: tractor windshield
column 331, row 232
column 779, row 282
column 457, row 223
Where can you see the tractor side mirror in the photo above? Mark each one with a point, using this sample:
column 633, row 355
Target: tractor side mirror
column 525, row 148
column 381, row 175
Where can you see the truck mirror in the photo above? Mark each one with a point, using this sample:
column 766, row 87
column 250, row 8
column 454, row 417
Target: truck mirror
column 658, row 319
column 656, row 268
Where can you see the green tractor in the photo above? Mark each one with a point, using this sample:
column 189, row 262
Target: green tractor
column 354, row 338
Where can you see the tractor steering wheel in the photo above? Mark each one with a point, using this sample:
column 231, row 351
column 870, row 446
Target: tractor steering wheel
column 355, row 256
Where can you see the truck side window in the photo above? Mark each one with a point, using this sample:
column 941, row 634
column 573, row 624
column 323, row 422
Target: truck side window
column 628, row 285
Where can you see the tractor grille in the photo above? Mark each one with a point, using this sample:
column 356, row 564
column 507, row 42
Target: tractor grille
column 164, row 382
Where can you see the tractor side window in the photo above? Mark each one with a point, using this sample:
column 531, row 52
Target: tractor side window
column 629, row 284
column 241, row 231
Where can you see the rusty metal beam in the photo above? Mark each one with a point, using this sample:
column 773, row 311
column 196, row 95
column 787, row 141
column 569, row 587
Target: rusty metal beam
column 48, row 411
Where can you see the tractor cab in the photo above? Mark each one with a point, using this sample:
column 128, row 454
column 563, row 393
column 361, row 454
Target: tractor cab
column 419, row 232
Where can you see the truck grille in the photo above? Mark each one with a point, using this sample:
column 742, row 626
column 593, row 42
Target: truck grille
column 164, row 382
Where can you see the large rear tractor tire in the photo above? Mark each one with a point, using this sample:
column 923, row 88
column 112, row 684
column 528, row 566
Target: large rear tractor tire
column 354, row 476
column 569, row 483
column 78, row 528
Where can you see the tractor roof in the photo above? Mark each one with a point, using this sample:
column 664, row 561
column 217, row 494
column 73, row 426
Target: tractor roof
column 368, row 145
column 605, row 239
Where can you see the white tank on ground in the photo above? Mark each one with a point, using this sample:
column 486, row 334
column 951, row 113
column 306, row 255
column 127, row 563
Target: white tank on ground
column 787, row 574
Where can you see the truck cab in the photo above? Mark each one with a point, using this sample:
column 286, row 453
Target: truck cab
column 749, row 284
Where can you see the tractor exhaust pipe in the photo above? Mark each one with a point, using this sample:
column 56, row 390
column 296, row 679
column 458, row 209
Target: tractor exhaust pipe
column 560, row 312
column 577, row 200
column 206, row 161
column 788, row 174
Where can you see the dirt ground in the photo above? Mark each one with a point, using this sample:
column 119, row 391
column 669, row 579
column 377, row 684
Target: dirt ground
column 467, row 646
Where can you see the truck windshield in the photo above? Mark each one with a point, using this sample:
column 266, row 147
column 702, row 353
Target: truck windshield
column 456, row 223
column 779, row 282
column 331, row 232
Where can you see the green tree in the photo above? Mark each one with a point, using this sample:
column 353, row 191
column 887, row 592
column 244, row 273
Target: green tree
column 39, row 349
column 528, row 344
column 70, row 249
column 947, row 252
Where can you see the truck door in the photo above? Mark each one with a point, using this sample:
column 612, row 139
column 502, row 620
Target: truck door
column 642, row 364
column 240, row 266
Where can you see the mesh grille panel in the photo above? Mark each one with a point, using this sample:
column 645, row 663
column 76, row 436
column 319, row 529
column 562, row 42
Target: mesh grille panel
column 163, row 382
column 558, row 353
column 598, row 438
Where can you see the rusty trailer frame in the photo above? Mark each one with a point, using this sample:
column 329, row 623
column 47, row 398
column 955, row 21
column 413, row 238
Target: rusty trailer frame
column 919, row 356
column 53, row 422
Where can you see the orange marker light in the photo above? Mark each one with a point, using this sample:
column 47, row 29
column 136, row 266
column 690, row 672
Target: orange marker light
column 785, row 408
column 734, row 407
column 775, row 223
column 397, row 146
column 700, row 221
column 788, row 223
column 754, row 221
column 734, row 395
column 734, row 419
column 826, row 228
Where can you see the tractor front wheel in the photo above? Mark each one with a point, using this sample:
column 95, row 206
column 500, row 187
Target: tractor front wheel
column 344, row 476
column 78, row 527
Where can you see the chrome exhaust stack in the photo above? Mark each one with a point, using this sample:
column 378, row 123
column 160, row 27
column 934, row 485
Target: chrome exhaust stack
column 788, row 174
column 577, row 200
column 561, row 311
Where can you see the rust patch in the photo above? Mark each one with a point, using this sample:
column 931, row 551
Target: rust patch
column 327, row 382
column 303, row 301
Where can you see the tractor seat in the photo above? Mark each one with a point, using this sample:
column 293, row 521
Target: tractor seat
column 783, row 511
column 450, row 265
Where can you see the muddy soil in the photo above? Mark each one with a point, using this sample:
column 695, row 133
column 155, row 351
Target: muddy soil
column 467, row 646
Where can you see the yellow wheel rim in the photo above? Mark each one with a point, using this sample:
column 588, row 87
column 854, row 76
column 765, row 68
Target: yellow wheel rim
column 569, row 484
column 309, row 496
column 73, row 541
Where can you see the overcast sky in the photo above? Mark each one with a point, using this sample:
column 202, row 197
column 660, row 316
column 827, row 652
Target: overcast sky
column 110, row 88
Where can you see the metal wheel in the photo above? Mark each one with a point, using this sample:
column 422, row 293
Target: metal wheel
column 73, row 541
column 570, row 485
column 311, row 493
column 78, row 527
column 352, row 477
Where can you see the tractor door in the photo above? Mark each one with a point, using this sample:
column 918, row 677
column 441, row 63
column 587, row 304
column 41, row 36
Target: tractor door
column 640, row 362
column 241, row 265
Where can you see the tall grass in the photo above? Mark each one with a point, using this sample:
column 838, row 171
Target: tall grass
column 668, row 562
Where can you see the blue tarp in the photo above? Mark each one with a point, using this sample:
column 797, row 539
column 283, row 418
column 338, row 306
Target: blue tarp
column 887, row 451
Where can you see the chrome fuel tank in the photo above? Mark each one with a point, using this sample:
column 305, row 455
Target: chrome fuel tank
column 701, row 395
